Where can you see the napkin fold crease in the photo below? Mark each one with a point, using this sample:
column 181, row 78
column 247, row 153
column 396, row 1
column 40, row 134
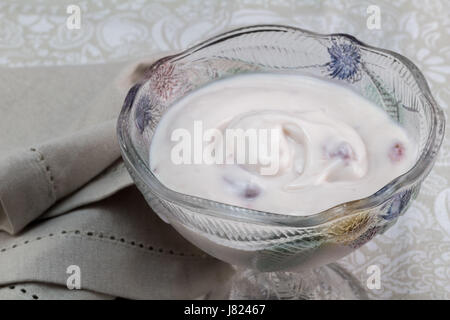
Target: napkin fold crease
column 50, row 171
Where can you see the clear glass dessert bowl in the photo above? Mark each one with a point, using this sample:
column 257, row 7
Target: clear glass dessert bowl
column 283, row 256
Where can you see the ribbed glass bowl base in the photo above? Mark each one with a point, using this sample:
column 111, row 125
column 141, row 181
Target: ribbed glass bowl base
column 330, row 282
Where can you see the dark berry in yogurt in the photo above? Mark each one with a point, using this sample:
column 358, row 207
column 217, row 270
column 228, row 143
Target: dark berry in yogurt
column 245, row 189
column 343, row 151
column 397, row 152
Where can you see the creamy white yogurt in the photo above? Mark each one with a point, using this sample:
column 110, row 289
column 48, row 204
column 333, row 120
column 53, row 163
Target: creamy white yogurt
column 324, row 143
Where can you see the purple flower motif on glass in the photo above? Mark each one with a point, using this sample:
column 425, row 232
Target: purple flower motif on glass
column 129, row 99
column 345, row 61
column 163, row 80
column 366, row 237
column 398, row 205
column 142, row 113
column 168, row 81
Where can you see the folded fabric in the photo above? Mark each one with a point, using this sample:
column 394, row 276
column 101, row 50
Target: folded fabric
column 66, row 197
column 41, row 291
column 34, row 179
column 108, row 182
column 57, row 132
column 121, row 248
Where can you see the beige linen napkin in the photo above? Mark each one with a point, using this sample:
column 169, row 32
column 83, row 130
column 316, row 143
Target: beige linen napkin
column 57, row 132
column 60, row 205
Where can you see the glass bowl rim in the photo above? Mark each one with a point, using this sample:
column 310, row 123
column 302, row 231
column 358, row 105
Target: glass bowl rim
column 226, row 211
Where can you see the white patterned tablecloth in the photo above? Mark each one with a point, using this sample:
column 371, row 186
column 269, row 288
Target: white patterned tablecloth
column 414, row 255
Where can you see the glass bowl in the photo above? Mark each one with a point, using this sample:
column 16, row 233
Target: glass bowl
column 264, row 241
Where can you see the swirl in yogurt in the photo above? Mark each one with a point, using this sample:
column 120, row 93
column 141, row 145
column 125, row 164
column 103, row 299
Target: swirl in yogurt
column 333, row 145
